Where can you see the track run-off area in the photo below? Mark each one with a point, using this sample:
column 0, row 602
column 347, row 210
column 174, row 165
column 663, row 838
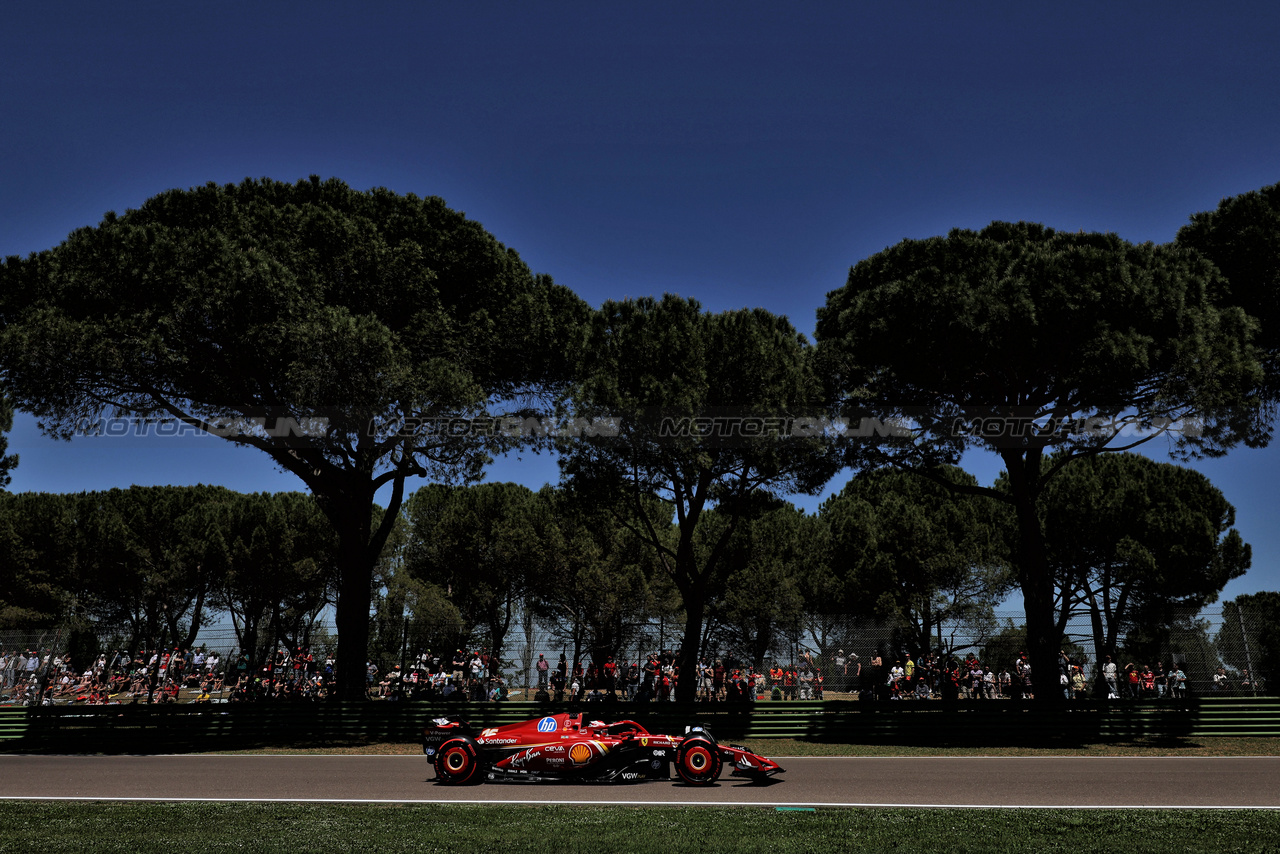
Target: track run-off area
column 959, row 782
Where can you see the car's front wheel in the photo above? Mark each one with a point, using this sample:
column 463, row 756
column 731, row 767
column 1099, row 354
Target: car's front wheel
column 458, row 762
column 698, row 760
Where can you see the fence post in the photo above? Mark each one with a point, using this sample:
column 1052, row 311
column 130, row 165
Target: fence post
column 1248, row 662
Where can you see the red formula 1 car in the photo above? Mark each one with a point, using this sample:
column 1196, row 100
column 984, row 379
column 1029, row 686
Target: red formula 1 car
column 566, row 747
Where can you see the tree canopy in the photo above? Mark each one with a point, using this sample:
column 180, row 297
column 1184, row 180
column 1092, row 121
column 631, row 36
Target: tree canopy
column 918, row 554
column 766, row 570
column 331, row 329
column 1021, row 340
column 1242, row 238
column 141, row 561
column 484, row 545
column 702, row 402
column 8, row 462
column 1131, row 539
column 280, row 558
column 602, row 582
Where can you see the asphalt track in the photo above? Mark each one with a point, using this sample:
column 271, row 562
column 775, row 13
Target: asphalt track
column 1065, row 782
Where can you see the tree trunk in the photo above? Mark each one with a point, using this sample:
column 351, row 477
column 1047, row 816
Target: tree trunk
column 1035, row 577
column 687, row 662
column 351, row 617
column 197, row 613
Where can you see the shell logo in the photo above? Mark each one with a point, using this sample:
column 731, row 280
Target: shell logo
column 579, row 753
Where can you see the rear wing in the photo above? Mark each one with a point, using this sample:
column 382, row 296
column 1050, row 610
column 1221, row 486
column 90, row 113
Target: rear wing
column 439, row 730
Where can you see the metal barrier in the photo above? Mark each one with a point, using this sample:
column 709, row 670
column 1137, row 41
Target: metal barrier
column 13, row 723
column 202, row 727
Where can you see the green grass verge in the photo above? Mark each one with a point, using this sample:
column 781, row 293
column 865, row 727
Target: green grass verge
column 137, row 828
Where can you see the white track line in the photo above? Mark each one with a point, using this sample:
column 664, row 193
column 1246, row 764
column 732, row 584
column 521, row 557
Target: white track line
column 756, row 804
column 420, row 757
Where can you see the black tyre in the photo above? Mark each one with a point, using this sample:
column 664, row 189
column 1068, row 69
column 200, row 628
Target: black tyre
column 458, row 762
column 698, row 760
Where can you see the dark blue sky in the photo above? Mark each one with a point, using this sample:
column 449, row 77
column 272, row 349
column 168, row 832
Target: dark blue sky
column 745, row 154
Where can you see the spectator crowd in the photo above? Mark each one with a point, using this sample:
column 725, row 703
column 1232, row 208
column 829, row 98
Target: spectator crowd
column 28, row 677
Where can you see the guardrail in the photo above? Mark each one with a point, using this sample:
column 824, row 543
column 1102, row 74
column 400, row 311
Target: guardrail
column 13, row 723
column 131, row 728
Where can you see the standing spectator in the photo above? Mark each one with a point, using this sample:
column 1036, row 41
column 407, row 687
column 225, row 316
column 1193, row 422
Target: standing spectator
column 1134, row 679
column 1220, row 680
column 977, row 674
column 459, row 666
column 853, row 681
column 558, row 683
column 1028, row 689
column 706, row 676
column 609, row 675
column 1078, row 683
column 543, row 668
column 669, row 676
column 632, row 680
column 1179, row 683
column 651, row 676
column 874, row 677
column 1109, row 676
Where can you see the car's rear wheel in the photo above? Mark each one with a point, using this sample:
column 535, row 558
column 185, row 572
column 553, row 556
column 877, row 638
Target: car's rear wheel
column 458, row 762
column 698, row 760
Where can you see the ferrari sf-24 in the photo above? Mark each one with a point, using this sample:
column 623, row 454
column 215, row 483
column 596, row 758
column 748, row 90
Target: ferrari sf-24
column 566, row 747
